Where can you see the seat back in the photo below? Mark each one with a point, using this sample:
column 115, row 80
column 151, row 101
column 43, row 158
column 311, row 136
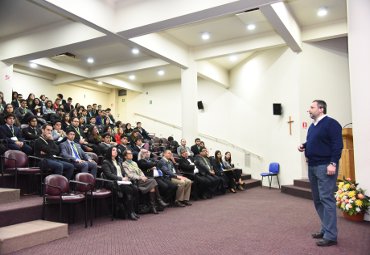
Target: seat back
column 274, row 168
column 15, row 158
column 93, row 156
column 86, row 178
column 58, row 181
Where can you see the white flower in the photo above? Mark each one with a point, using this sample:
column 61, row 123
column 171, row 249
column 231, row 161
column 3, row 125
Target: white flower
column 358, row 209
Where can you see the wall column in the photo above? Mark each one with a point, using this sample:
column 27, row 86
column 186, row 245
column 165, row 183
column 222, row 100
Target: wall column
column 189, row 97
column 358, row 15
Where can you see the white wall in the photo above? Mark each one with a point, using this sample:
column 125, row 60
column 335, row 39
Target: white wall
column 25, row 84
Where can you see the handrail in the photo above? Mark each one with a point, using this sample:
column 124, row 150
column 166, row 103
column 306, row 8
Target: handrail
column 209, row 137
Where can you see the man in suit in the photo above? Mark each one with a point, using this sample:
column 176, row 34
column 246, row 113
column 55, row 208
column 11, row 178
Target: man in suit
column 204, row 185
column 205, row 169
column 68, row 106
column 142, row 131
column 196, row 147
column 21, row 112
column 13, row 135
column 167, row 189
column 183, row 183
column 72, row 151
column 80, row 136
column 46, row 148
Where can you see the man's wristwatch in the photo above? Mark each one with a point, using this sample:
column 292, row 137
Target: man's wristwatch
column 333, row 164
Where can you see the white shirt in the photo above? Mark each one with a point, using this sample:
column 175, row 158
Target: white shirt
column 196, row 170
column 318, row 119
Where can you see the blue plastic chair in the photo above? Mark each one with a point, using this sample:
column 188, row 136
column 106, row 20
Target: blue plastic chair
column 273, row 171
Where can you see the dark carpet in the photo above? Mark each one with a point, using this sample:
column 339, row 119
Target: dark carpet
column 256, row 221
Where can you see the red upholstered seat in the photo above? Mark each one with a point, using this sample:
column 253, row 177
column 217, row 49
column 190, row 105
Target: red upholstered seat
column 57, row 190
column 91, row 190
column 17, row 163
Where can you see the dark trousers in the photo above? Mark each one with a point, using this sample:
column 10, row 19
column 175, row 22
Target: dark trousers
column 25, row 148
column 59, row 167
column 166, row 188
column 86, row 166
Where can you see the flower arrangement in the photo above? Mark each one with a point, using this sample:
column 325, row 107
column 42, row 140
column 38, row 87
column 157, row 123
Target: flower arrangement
column 350, row 198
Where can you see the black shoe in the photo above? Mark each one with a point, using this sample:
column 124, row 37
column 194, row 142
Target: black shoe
column 324, row 243
column 178, row 204
column 131, row 216
column 162, row 203
column 317, row 235
column 186, row 202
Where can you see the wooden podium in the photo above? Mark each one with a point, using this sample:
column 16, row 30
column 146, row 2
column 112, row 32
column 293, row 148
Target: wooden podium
column 347, row 162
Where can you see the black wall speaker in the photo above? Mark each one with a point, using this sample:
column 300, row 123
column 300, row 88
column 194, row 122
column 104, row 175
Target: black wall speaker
column 277, row 109
column 200, row 105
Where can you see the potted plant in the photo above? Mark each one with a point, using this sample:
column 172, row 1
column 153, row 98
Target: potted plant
column 351, row 199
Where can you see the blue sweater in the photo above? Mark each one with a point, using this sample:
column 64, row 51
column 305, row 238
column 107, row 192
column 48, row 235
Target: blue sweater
column 324, row 142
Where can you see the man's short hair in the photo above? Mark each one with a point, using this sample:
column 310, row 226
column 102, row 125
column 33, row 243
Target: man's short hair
column 182, row 150
column 321, row 104
column 23, row 100
column 69, row 131
column 46, row 124
column 197, row 139
column 9, row 115
column 105, row 135
column 202, row 149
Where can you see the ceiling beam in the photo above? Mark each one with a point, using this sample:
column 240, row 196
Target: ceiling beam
column 284, row 24
column 335, row 29
column 215, row 73
column 258, row 42
column 122, row 84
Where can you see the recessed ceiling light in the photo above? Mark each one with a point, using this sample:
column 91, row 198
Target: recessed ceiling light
column 90, row 60
column 251, row 27
column 100, row 83
column 205, row 36
column 135, row 51
column 323, row 11
column 233, row 58
column 33, row 65
column 160, row 72
column 132, row 77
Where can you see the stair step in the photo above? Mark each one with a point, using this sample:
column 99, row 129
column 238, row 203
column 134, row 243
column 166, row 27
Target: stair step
column 303, row 183
column 9, row 195
column 28, row 234
column 246, row 176
column 252, row 183
column 296, row 191
column 28, row 208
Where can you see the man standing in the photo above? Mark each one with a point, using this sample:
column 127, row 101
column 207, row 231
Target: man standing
column 323, row 150
column 183, row 183
column 72, row 151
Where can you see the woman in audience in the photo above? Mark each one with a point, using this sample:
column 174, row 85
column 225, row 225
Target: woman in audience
column 14, row 101
column 2, row 104
column 236, row 172
column 83, row 124
column 66, row 122
column 220, row 170
column 145, row 185
column 94, row 139
column 73, row 113
column 113, row 170
column 128, row 129
column 30, row 103
column 58, row 133
column 9, row 108
column 48, row 109
column 57, row 104
column 117, row 136
column 36, row 104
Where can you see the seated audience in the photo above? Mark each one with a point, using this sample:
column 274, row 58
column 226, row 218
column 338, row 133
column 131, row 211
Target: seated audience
column 220, row 170
column 128, row 129
column 237, row 173
column 167, row 189
column 125, row 145
column 113, row 170
column 66, row 122
column 172, row 144
column 117, row 136
column 72, row 151
column 145, row 184
column 183, row 183
column 32, row 132
column 46, row 148
column 9, row 109
column 196, row 147
column 94, row 139
column 106, row 143
column 13, row 135
column 205, row 187
column 205, row 169
column 183, row 146
column 80, row 136
column 58, row 133
column 22, row 111
column 142, row 131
